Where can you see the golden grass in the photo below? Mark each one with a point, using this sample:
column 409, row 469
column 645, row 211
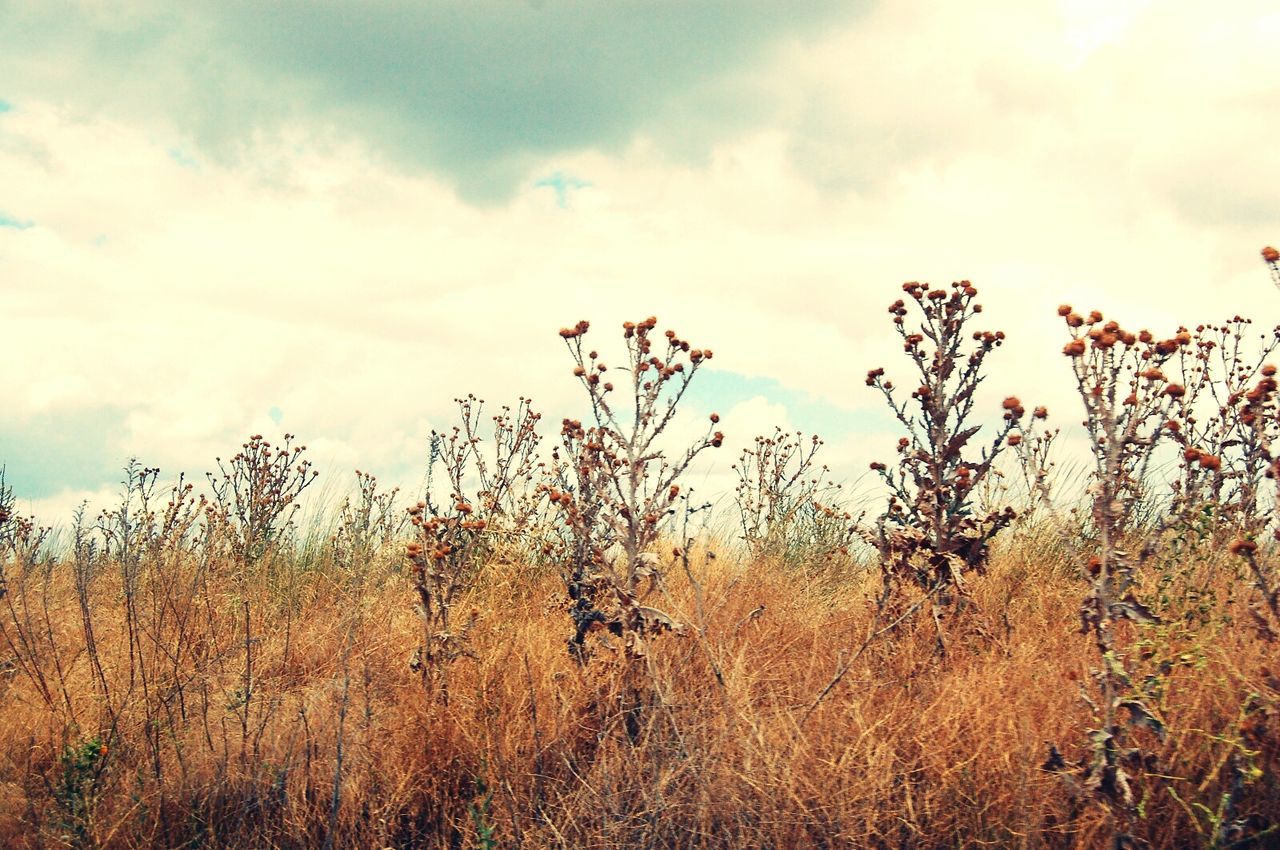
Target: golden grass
column 730, row 747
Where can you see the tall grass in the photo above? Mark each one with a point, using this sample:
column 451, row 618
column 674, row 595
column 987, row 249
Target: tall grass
column 239, row 715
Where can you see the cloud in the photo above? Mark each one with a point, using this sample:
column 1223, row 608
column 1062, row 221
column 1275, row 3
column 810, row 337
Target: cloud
column 766, row 200
column 474, row 91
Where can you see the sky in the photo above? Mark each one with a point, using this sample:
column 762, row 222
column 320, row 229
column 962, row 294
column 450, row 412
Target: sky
column 220, row 218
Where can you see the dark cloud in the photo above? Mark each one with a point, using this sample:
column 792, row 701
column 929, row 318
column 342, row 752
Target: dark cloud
column 472, row 89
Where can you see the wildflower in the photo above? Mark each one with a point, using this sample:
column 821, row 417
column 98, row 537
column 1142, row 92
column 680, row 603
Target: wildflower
column 1240, row 546
column 1074, row 348
column 1270, row 255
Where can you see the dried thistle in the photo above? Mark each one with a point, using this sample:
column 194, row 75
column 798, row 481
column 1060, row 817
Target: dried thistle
column 615, row 486
column 929, row 536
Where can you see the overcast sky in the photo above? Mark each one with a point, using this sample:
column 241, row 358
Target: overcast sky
column 331, row 218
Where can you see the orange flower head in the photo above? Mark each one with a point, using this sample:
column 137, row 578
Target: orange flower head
column 1242, row 547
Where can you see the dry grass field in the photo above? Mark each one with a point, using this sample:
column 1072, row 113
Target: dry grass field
column 281, row 712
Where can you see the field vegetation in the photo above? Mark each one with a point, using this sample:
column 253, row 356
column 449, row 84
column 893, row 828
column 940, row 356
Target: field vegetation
column 559, row 644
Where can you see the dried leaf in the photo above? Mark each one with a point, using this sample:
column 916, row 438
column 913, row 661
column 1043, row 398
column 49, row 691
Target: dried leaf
column 654, row 620
column 1055, row 763
column 1140, row 715
column 1132, row 609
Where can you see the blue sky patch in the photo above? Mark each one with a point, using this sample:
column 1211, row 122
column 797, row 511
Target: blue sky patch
column 562, row 184
column 49, row 453
column 5, row 106
column 9, row 221
column 720, row 390
column 183, row 159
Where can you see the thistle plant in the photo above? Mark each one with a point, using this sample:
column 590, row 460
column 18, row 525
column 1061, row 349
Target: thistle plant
column 930, row 536
column 501, row 467
column 453, row 537
column 442, row 558
column 1219, row 435
column 1271, row 257
column 1261, row 415
column 366, row 523
column 21, row 538
column 256, row 495
column 616, row 485
column 788, row 507
column 1129, row 405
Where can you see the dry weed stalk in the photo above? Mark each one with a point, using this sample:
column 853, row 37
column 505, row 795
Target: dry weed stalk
column 455, row 537
column 787, row 506
column 929, row 536
column 1033, row 451
column 1220, row 438
column 1129, row 404
column 1261, row 415
column 502, row 473
column 616, row 485
column 255, row 495
column 21, row 538
column 366, row 525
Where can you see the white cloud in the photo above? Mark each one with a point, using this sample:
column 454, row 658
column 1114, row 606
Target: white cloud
column 1119, row 156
